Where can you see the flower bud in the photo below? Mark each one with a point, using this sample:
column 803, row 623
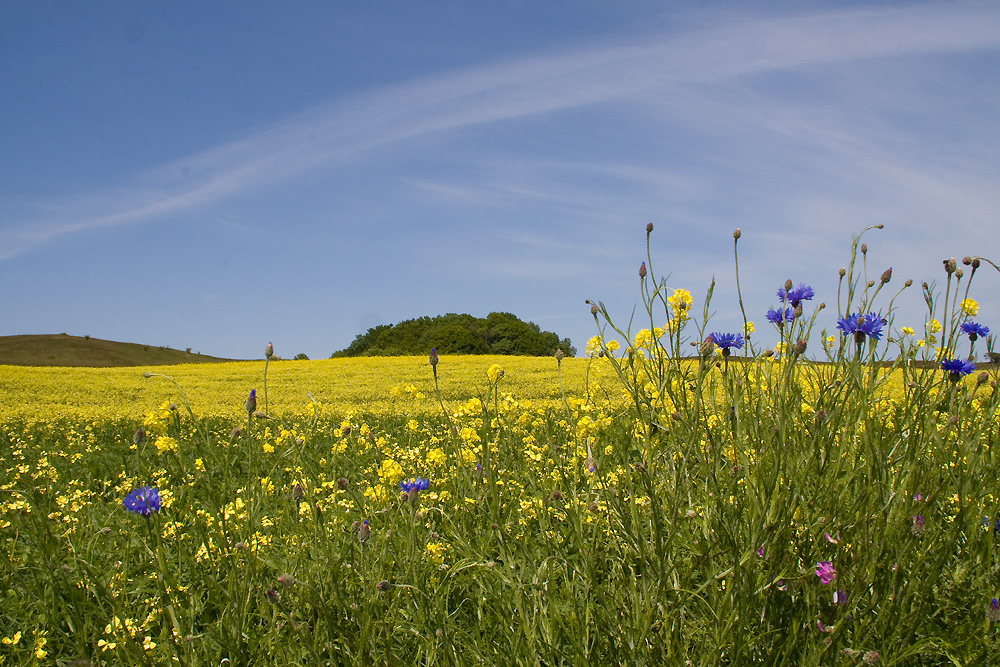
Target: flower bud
column 967, row 260
column 842, row 272
column 737, row 233
column 649, row 228
column 139, row 436
column 982, row 378
column 788, row 285
column 864, row 248
column 432, row 358
column 269, row 351
column 342, row 483
column 593, row 311
column 975, row 264
column 909, row 281
column 642, row 270
column 297, row 493
column 886, row 275
column 871, row 283
column 798, row 347
column 949, row 266
column 822, row 305
column 959, row 273
column 251, row 404
column 559, row 354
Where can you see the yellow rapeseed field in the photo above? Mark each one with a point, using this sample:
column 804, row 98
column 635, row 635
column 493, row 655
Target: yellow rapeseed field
column 373, row 385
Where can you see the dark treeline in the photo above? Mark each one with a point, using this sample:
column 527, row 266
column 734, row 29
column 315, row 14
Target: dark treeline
column 497, row 333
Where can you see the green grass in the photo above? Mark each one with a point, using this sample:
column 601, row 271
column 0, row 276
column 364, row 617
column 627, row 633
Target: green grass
column 66, row 350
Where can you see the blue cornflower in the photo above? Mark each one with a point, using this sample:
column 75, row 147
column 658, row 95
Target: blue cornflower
column 860, row 325
column 957, row 368
column 727, row 340
column 412, row 487
column 143, row 500
column 871, row 326
column 975, row 330
column 251, row 404
column 779, row 316
column 794, row 296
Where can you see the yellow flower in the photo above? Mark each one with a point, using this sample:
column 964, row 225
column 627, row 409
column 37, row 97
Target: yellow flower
column 435, row 551
column 907, row 331
column 436, row 457
column 12, row 641
column 748, row 329
column 165, row 444
column 933, row 326
column 680, row 301
column 969, row 306
column 494, row 373
column 612, row 345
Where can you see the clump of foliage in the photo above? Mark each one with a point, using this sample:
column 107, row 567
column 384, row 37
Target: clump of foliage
column 497, row 333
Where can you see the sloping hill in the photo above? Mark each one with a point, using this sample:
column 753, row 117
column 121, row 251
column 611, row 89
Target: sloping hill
column 66, row 350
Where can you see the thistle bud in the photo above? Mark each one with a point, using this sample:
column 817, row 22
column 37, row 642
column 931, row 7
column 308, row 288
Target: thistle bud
column 364, row 532
column 799, row 347
column 269, row 351
column 949, row 266
column 842, row 272
column 251, row 404
column 642, row 270
column 432, row 358
column 649, row 228
column 737, row 233
column 559, row 354
column 959, row 273
column 886, row 275
column 707, row 346
column 864, row 248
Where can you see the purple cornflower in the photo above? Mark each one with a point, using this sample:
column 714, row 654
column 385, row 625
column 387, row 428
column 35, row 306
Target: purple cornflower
column 779, row 316
column 412, row 487
column 825, row 572
column 797, row 294
column 993, row 611
column 975, row 330
column 726, row 341
column 957, row 368
column 143, row 500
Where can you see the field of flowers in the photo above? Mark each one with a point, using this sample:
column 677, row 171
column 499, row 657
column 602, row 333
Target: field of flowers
column 639, row 505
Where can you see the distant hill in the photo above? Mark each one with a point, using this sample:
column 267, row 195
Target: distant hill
column 66, row 350
column 497, row 333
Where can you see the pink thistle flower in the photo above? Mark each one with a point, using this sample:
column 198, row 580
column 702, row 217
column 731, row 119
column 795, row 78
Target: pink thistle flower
column 825, row 572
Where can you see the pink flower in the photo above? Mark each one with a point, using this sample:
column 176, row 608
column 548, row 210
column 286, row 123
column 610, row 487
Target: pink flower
column 825, row 572
column 760, row 552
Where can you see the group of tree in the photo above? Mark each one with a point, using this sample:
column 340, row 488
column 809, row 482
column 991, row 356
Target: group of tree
column 497, row 333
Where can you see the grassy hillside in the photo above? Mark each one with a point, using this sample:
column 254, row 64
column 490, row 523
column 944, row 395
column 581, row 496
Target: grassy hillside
column 66, row 350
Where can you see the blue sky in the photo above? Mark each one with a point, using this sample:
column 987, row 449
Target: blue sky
column 221, row 175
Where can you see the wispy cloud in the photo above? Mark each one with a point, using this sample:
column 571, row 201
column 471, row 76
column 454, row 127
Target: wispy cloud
column 342, row 131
